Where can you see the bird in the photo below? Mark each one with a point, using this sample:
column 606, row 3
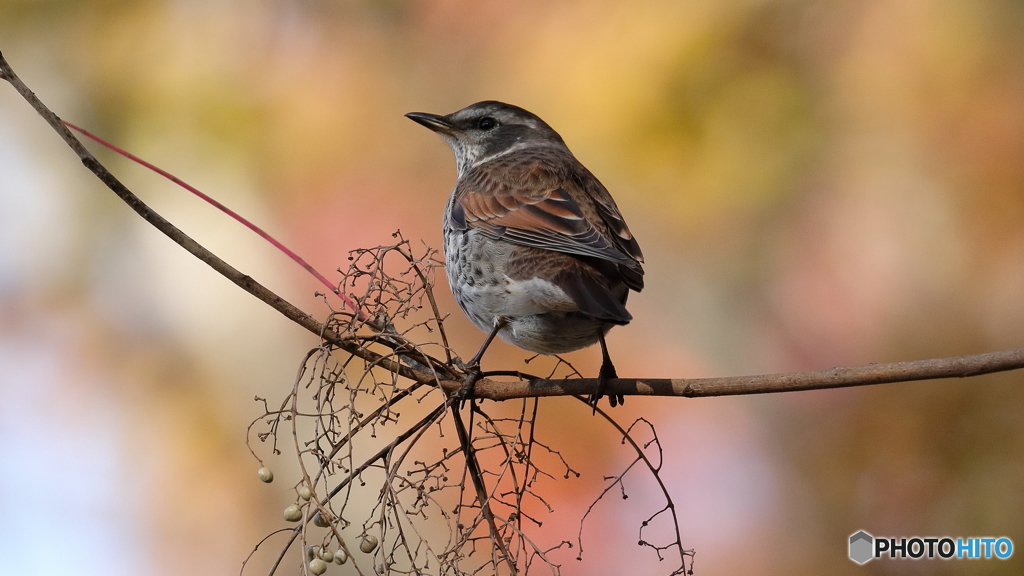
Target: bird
column 536, row 250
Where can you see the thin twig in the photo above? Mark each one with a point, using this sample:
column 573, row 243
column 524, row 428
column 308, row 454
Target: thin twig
column 654, row 470
column 383, row 452
column 478, row 483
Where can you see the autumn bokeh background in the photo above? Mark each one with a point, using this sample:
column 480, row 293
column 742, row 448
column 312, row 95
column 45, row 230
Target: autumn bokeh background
column 814, row 183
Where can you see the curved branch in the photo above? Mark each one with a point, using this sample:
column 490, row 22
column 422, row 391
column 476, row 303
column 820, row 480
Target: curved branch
column 243, row 281
column 955, row 367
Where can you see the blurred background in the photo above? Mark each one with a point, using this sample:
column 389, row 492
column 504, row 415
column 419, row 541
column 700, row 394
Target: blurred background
column 814, row 183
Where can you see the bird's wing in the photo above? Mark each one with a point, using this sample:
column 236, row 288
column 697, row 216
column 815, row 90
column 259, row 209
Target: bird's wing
column 536, row 209
column 608, row 212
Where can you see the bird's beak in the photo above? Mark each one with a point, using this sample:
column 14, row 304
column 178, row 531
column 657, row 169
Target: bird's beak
column 432, row 121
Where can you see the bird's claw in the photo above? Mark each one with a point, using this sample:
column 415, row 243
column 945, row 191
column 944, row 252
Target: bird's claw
column 473, row 374
column 607, row 373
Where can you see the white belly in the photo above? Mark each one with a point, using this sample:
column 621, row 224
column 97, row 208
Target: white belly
column 540, row 316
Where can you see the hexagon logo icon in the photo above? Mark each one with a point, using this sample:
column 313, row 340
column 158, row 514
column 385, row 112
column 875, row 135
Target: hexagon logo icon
column 861, row 545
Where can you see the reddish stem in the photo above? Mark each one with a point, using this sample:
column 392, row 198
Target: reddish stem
column 298, row 259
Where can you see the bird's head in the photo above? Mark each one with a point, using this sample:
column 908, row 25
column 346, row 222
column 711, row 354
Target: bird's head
column 488, row 129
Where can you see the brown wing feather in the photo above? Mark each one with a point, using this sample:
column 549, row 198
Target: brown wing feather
column 525, row 201
column 608, row 212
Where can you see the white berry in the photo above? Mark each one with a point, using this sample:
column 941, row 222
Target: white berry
column 293, row 513
column 369, row 544
column 317, row 566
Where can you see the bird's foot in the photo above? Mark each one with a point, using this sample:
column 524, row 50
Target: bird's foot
column 473, row 374
column 607, row 373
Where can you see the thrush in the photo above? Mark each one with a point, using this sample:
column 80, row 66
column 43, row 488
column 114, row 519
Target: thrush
column 536, row 250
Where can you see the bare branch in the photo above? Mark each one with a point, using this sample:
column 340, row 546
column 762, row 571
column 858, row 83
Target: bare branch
column 843, row 377
column 954, row 367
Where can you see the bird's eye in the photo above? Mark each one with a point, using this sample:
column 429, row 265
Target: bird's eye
column 487, row 123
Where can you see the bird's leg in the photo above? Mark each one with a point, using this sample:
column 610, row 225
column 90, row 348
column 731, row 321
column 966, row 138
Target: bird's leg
column 499, row 323
column 607, row 373
column 473, row 367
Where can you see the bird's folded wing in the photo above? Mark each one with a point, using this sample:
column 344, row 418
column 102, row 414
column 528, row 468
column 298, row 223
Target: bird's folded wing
column 548, row 219
column 610, row 215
